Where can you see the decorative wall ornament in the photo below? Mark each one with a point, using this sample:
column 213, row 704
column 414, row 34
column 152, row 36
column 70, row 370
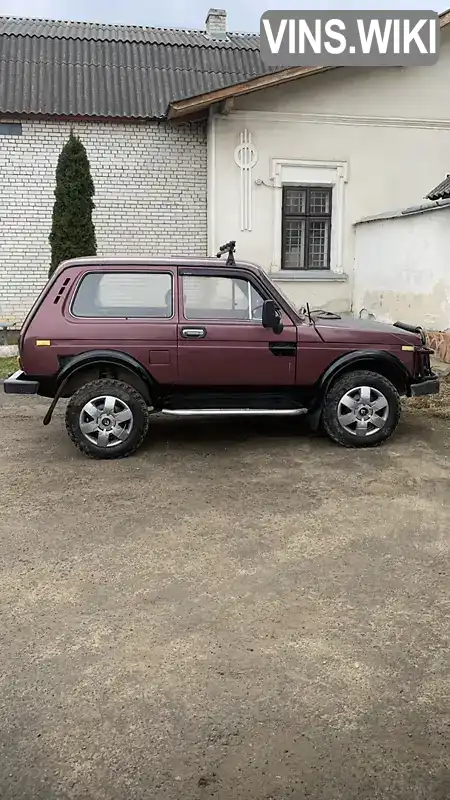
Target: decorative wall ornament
column 246, row 156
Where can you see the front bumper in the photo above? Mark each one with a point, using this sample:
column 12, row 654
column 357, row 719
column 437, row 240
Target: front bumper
column 19, row 383
column 424, row 387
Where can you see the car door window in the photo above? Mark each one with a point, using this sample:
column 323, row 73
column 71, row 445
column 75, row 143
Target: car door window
column 220, row 297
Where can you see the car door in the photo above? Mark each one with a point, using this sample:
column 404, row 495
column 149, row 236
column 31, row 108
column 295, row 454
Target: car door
column 221, row 339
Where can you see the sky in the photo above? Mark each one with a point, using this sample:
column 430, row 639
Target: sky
column 243, row 15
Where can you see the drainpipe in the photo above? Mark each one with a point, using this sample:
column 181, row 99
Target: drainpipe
column 211, row 182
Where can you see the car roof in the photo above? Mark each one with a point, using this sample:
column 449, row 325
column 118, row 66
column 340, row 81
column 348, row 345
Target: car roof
column 100, row 262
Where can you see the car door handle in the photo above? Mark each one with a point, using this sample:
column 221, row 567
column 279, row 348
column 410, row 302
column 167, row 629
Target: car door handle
column 283, row 348
column 193, row 333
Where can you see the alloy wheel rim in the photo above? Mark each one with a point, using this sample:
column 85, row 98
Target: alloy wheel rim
column 363, row 411
column 106, row 421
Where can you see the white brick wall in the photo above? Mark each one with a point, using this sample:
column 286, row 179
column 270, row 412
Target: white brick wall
column 150, row 197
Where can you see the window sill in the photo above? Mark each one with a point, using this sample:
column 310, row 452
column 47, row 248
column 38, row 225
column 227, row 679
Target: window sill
column 307, row 275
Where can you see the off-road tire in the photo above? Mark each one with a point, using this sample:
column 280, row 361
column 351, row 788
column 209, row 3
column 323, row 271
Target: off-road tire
column 123, row 391
column 338, row 389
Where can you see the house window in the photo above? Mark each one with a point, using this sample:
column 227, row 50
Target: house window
column 306, row 231
column 10, row 129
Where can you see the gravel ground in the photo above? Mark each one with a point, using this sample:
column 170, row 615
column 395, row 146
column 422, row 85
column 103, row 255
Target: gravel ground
column 240, row 610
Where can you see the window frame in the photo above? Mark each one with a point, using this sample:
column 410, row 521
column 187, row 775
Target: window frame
column 187, row 273
column 106, row 271
column 10, row 128
column 307, row 217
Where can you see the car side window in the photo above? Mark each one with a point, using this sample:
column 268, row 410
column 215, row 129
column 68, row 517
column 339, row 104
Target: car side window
column 217, row 297
column 125, row 294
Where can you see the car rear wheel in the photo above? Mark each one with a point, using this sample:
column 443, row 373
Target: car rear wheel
column 361, row 409
column 107, row 419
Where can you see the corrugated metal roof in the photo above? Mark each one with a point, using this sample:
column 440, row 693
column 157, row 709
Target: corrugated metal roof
column 85, row 69
column 50, row 29
column 423, row 208
column 441, row 191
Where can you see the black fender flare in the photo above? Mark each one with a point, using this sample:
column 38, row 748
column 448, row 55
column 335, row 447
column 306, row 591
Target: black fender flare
column 341, row 365
column 90, row 358
column 79, row 361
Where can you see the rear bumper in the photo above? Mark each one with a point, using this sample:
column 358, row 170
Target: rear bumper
column 19, row 383
column 424, row 387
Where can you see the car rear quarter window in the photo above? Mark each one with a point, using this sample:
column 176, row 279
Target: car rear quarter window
column 125, row 294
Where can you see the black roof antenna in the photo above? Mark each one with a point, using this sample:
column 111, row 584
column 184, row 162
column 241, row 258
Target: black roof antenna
column 229, row 247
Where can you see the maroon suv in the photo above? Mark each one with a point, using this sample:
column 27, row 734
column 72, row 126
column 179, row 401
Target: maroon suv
column 127, row 338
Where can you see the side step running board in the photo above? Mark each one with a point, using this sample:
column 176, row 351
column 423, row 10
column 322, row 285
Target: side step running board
column 233, row 412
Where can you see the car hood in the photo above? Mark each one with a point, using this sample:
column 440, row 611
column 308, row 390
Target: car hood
column 359, row 331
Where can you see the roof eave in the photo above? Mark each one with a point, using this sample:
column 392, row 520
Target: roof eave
column 191, row 105
column 67, row 117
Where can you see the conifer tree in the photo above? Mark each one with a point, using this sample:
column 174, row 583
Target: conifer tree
column 73, row 231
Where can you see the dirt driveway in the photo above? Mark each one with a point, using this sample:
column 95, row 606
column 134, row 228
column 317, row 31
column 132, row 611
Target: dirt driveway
column 237, row 611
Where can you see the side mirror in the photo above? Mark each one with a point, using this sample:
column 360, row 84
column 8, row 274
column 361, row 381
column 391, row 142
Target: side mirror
column 271, row 316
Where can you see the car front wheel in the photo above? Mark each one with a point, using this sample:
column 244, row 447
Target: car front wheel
column 107, row 419
column 361, row 409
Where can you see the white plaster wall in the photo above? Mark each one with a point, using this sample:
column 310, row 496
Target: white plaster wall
column 390, row 126
column 398, row 92
column 402, row 269
column 388, row 168
column 150, row 183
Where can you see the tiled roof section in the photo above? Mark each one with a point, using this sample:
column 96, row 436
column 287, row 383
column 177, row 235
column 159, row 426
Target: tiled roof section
column 86, row 69
column 441, row 191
